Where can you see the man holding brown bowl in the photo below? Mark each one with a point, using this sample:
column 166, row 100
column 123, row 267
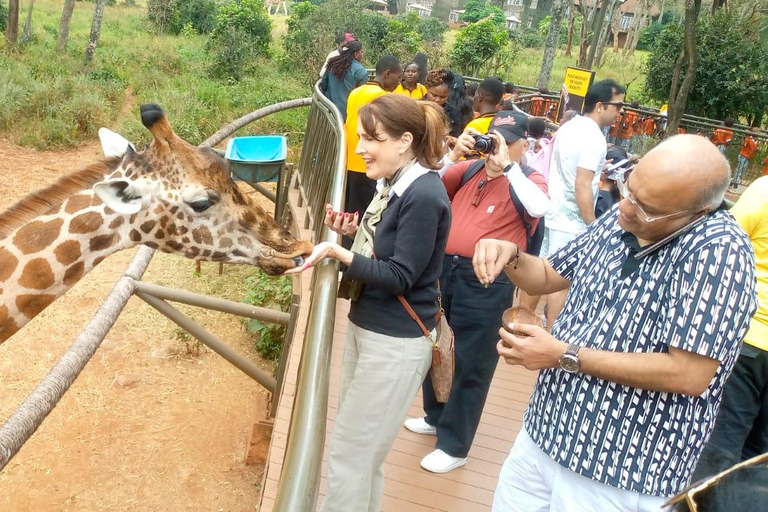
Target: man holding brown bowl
column 662, row 288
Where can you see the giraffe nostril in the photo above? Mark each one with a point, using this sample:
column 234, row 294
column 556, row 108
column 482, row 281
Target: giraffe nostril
column 298, row 260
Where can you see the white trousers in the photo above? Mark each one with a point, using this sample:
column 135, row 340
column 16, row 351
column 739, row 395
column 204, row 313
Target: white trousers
column 530, row 481
column 380, row 376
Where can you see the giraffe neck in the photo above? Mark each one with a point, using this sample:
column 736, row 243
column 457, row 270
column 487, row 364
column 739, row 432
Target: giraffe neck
column 44, row 258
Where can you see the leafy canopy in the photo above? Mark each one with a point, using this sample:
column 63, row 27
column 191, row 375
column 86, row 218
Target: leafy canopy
column 732, row 75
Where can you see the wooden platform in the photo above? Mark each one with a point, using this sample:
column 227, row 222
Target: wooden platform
column 409, row 488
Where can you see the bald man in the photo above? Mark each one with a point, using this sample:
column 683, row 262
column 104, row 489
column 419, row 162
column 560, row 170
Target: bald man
column 662, row 288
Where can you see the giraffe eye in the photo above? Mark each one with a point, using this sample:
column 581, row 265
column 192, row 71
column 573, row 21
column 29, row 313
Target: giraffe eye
column 200, row 205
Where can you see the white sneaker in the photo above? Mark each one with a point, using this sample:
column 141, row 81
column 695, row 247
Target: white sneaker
column 440, row 462
column 420, row 426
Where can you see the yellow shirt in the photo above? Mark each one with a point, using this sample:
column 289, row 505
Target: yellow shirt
column 481, row 124
column 419, row 92
column 359, row 97
column 751, row 212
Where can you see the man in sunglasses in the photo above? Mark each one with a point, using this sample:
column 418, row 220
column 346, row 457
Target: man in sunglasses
column 578, row 156
column 662, row 288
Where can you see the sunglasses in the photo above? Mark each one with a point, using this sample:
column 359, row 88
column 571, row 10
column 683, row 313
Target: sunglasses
column 621, row 183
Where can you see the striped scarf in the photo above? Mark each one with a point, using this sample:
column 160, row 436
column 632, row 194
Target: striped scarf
column 366, row 231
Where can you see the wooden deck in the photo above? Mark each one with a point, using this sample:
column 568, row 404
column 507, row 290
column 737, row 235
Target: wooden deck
column 409, row 488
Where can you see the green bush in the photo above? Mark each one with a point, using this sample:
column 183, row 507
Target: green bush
column 242, row 34
column 402, row 39
column 649, row 35
column 173, row 15
column 476, row 45
column 432, row 29
column 527, row 37
column 273, row 293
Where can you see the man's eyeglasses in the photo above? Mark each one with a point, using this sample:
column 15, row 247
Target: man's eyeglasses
column 621, row 182
column 617, row 104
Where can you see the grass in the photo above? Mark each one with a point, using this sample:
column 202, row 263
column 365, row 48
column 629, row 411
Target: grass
column 62, row 103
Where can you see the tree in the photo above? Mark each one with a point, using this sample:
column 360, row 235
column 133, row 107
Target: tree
column 559, row 10
column 12, row 25
column 432, row 29
column 403, row 39
column 242, row 33
column 476, row 44
column 441, row 9
column 66, row 19
column 27, row 34
column 93, row 40
column 731, row 79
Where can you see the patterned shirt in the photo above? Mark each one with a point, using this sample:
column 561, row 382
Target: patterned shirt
column 696, row 293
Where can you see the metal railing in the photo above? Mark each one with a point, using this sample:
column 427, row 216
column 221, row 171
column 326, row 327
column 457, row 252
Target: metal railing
column 25, row 420
column 322, row 174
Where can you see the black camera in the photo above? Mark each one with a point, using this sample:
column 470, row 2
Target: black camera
column 484, row 143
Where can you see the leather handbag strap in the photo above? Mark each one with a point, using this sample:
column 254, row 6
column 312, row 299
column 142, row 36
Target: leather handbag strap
column 413, row 315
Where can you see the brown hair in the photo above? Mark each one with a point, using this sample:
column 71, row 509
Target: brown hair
column 398, row 114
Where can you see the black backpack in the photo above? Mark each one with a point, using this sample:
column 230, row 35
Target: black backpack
column 533, row 238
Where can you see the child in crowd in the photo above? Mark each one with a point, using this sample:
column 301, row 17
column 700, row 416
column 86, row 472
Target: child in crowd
column 409, row 85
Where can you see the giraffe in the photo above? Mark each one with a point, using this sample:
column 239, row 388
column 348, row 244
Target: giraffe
column 277, row 4
column 173, row 196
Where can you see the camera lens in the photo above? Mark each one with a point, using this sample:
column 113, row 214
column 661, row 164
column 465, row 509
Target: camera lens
column 483, row 144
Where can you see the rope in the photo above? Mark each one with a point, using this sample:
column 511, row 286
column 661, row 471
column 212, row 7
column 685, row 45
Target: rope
column 36, row 407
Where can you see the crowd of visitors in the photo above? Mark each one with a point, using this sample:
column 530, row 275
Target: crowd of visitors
column 650, row 286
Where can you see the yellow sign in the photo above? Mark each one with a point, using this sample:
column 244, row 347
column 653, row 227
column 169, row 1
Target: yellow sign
column 577, row 81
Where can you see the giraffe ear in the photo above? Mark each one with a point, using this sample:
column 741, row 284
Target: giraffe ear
column 113, row 144
column 123, row 195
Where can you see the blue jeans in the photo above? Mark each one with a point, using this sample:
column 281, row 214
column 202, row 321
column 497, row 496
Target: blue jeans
column 474, row 312
column 743, row 164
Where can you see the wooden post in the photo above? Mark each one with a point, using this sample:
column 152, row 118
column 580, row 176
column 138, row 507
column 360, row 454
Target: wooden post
column 260, row 435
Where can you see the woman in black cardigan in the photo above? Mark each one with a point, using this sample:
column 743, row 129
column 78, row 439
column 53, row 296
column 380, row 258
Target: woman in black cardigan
column 398, row 250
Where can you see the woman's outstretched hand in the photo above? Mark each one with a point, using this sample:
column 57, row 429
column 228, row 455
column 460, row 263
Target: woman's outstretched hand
column 320, row 252
column 344, row 223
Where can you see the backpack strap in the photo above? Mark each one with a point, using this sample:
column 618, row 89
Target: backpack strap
column 473, row 168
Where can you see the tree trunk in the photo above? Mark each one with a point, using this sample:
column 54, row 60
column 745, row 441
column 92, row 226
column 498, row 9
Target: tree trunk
column 587, row 16
column 598, row 27
column 616, row 27
column 66, row 18
column 571, row 25
column 638, row 23
column 559, row 9
column 12, row 24
column 661, row 12
column 678, row 92
column 93, row 42
column 401, row 6
column 603, row 36
column 27, row 34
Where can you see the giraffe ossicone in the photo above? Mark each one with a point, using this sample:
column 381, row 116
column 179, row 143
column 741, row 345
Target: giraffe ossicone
column 173, row 196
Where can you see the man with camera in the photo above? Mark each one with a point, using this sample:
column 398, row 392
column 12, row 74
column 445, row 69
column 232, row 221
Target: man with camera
column 493, row 197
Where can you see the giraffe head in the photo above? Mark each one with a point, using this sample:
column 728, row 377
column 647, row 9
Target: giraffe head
column 180, row 198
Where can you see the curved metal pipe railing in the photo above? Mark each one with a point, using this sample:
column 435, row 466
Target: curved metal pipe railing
column 322, row 171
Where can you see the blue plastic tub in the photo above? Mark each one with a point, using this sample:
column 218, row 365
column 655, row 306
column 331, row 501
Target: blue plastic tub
column 257, row 158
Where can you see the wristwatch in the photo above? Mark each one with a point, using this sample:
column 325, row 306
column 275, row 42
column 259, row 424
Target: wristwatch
column 569, row 361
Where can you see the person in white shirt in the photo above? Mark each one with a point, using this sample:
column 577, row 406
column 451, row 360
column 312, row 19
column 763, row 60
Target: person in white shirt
column 578, row 157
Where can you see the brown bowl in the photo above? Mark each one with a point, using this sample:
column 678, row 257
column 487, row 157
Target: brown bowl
column 520, row 315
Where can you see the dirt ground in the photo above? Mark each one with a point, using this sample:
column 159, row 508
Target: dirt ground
column 149, row 425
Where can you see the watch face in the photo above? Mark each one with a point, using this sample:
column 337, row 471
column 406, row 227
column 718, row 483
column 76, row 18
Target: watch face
column 570, row 363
